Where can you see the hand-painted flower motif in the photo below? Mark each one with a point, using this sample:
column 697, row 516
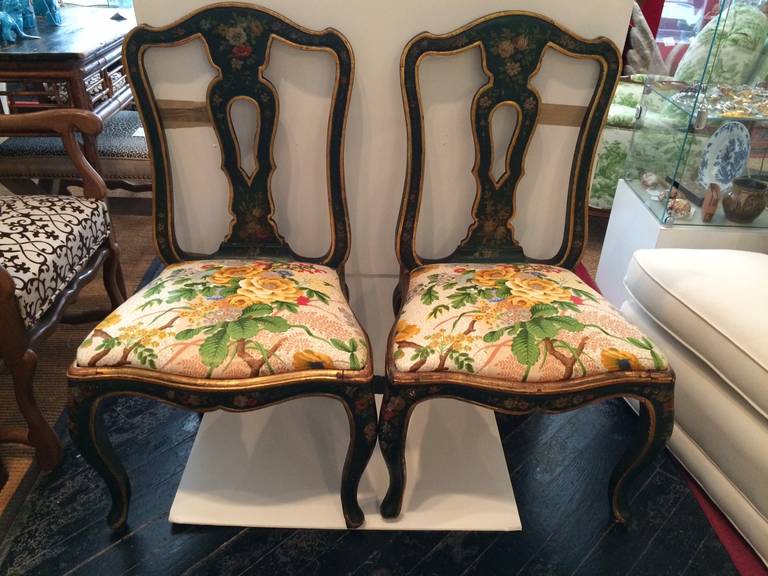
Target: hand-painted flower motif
column 242, row 51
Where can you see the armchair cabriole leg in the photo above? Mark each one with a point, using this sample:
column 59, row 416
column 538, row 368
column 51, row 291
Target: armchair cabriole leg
column 41, row 436
column 114, row 282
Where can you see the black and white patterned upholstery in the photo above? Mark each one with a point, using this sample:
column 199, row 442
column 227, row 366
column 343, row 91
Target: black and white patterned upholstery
column 44, row 242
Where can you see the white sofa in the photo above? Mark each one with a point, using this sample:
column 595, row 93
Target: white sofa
column 708, row 311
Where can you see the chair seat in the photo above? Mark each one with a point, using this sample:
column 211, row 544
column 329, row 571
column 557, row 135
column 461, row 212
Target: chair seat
column 44, row 243
column 516, row 323
column 232, row 319
column 121, row 154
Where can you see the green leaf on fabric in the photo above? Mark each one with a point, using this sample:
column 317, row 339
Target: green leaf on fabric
column 322, row 296
column 289, row 306
column 213, row 350
column 543, row 310
column 639, row 343
column 493, row 336
column 354, row 362
column 340, row 345
column 459, row 299
column 567, row 323
column 429, row 296
column 583, row 294
column 189, row 333
column 525, row 347
column 150, row 303
column 570, row 306
column 542, row 328
column 273, row 323
column 179, row 294
column 257, row 310
column 154, row 289
column 437, row 310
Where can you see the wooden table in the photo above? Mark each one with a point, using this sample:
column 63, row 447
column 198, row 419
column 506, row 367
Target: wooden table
column 76, row 65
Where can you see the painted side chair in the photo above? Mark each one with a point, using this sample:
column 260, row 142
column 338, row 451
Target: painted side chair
column 255, row 324
column 50, row 247
column 486, row 324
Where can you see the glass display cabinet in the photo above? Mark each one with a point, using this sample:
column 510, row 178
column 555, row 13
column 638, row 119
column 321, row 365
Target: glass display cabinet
column 698, row 150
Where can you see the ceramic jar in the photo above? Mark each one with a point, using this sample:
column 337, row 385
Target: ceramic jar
column 746, row 200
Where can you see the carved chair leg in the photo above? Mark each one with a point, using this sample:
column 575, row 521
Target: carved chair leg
column 656, row 420
column 396, row 409
column 86, row 428
column 362, row 440
column 41, row 436
column 114, row 283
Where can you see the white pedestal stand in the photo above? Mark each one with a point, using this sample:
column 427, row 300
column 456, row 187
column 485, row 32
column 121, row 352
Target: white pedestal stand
column 281, row 467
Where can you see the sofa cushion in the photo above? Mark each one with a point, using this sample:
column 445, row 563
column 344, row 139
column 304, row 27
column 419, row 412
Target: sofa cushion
column 232, row 319
column 716, row 303
column 514, row 322
column 44, row 243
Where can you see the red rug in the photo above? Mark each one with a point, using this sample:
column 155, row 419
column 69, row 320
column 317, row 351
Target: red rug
column 582, row 273
column 747, row 562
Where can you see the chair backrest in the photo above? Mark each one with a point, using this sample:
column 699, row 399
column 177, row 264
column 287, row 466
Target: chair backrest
column 512, row 46
column 237, row 39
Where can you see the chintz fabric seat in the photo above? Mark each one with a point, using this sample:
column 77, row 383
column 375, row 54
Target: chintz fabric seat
column 514, row 322
column 45, row 242
column 232, row 319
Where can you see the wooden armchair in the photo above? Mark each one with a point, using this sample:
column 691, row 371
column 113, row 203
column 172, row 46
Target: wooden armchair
column 254, row 324
column 50, row 247
column 486, row 324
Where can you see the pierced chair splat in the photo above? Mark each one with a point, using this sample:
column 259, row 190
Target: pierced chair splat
column 486, row 324
column 255, row 323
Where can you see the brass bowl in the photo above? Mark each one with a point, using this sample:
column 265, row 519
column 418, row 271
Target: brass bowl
column 746, row 200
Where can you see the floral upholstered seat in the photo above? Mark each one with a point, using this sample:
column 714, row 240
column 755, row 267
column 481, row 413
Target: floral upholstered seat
column 232, row 319
column 44, row 243
column 514, row 322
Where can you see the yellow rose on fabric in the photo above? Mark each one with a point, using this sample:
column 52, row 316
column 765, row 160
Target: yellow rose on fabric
column 267, row 289
column 488, row 278
column 618, row 360
column 224, row 275
column 311, row 360
column 404, row 331
column 239, row 301
column 109, row 321
column 537, row 290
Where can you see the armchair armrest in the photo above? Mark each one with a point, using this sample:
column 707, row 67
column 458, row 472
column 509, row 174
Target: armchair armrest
column 64, row 122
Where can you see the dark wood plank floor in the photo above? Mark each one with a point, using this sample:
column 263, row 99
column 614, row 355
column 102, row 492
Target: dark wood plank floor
column 559, row 465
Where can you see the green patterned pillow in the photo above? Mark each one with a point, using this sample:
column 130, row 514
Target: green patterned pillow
column 736, row 50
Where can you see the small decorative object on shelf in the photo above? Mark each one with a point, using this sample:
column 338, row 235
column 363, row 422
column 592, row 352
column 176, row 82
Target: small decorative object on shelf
column 17, row 21
column 50, row 10
column 745, row 201
column 711, row 200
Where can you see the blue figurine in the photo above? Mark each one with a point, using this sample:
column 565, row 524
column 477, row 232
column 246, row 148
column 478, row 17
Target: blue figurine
column 49, row 9
column 12, row 20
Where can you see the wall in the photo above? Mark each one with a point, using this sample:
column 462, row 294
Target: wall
column 375, row 153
